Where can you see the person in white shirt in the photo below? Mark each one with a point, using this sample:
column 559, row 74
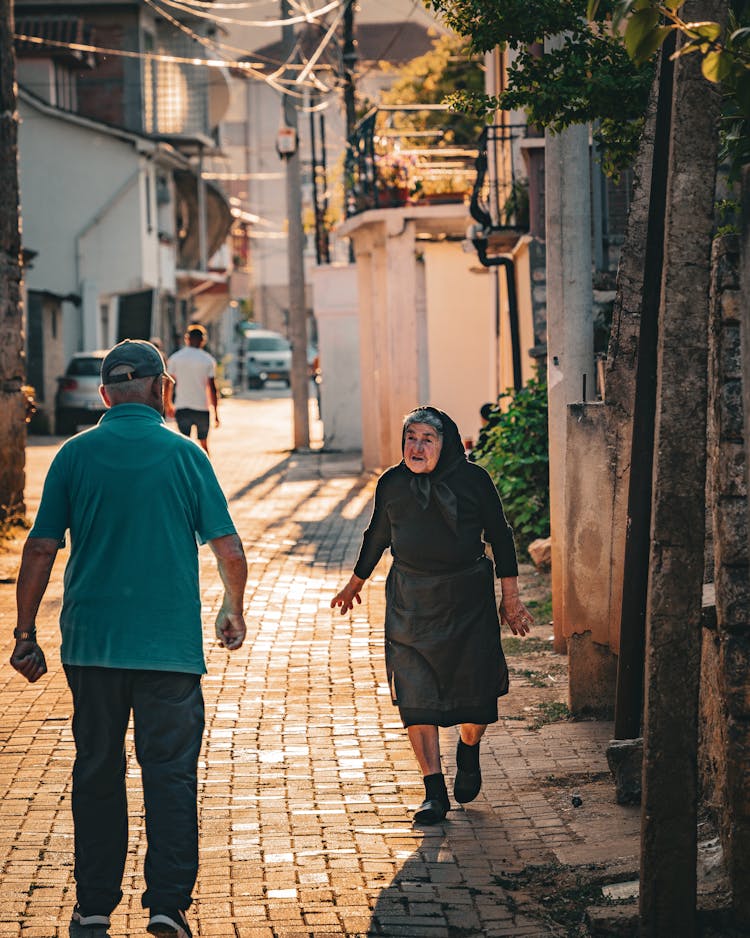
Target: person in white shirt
column 193, row 370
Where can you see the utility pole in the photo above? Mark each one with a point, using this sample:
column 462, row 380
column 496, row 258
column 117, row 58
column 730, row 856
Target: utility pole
column 349, row 56
column 12, row 371
column 295, row 242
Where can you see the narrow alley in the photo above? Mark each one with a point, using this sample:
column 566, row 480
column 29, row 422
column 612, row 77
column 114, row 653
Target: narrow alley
column 307, row 780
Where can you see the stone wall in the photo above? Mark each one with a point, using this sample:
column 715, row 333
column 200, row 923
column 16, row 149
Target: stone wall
column 725, row 692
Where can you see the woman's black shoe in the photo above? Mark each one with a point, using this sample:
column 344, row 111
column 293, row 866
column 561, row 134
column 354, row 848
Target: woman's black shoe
column 431, row 811
column 466, row 786
column 468, row 782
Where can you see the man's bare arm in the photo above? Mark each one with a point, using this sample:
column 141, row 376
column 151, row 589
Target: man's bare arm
column 36, row 565
column 214, row 394
column 230, row 622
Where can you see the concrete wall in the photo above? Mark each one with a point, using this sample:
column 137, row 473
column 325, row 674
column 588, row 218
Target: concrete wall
column 90, row 230
column 589, row 496
column 460, row 334
column 398, row 251
column 335, row 308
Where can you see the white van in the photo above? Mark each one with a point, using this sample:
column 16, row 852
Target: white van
column 268, row 358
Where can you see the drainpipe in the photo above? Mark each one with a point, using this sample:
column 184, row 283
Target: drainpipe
column 508, row 264
column 202, row 238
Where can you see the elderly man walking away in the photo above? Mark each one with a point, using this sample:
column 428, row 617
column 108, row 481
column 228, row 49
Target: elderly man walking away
column 136, row 498
column 193, row 371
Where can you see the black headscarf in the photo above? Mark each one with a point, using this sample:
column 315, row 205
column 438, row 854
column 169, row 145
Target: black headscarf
column 426, row 484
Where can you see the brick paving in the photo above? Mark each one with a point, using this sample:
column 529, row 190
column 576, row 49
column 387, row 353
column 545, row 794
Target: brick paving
column 307, row 780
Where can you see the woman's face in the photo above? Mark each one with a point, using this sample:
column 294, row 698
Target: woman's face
column 422, row 445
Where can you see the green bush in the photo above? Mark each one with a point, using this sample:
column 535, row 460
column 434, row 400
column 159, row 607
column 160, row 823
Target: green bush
column 513, row 448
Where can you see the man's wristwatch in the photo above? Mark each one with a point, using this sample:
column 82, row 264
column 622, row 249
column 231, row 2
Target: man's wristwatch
column 25, row 635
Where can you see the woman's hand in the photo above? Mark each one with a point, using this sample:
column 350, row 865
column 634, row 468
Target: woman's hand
column 512, row 611
column 345, row 598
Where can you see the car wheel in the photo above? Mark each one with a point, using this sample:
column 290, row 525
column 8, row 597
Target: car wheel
column 65, row 424
column 254, row 384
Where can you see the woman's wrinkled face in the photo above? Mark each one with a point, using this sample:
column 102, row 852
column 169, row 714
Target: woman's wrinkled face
column 422, row 445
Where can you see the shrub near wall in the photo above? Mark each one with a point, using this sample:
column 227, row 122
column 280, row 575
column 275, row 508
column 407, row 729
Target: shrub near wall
column 513, row 448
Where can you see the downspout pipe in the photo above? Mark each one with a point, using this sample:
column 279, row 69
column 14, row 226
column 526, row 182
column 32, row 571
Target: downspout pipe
column 509, row 266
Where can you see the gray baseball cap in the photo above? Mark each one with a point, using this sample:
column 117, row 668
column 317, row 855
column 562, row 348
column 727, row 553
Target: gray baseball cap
column 142, row 358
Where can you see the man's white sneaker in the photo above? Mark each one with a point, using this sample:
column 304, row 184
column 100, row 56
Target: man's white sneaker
column 89, row 919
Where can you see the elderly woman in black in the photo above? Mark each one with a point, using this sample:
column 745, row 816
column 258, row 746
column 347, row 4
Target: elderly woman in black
column 444, row 660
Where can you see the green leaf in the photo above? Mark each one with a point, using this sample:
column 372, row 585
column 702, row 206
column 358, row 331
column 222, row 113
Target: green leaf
column 673, row 5
column 651, row 42
column 640, row 26
column 704, row 30
column 716, row 66
column 591, row 9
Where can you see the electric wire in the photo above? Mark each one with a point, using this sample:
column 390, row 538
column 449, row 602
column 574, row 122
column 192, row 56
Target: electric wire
column 265, row 24
column 218, row 47
column 222, row 47
column 251, row 68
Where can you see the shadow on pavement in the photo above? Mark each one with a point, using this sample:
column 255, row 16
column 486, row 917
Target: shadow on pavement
column 455, row 883
column 277, row 469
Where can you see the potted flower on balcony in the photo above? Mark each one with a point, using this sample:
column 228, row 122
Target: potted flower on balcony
column 395, row 178
column 437, row 188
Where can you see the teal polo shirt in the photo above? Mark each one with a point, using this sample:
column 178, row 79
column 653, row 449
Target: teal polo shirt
column 136, row 498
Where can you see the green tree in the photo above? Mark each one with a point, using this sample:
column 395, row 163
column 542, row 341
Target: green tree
column 725, row 56
column 450, row 67
column 589, row 78
column 513, row 449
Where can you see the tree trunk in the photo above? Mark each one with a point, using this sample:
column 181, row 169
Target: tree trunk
column 12, row 401
column 673, row 620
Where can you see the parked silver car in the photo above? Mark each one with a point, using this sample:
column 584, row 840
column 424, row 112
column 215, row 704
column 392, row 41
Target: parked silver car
column 268, row 358
column 77, row 400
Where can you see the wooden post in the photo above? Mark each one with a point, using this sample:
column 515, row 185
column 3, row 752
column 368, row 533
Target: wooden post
column 12, row 370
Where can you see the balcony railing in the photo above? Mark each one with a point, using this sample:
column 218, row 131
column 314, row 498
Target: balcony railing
column 386, row 168
column 500, row 199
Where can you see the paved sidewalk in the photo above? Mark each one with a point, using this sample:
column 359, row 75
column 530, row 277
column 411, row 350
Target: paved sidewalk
column 307, row 780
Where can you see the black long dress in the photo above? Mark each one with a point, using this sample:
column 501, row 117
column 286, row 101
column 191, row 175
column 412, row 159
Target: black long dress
column 444, row 659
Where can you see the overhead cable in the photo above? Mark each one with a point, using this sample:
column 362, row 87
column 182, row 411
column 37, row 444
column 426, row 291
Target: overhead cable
column 252, row 69
column 265, row 24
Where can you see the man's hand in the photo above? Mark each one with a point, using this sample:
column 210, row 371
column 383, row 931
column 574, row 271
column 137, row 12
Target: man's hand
column 230, row 557
column 28, row 660
column 230, row 629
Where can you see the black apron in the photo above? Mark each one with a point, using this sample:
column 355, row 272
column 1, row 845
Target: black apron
column 442, row 638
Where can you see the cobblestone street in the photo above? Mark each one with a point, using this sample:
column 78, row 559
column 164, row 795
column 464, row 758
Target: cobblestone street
column 307, row 780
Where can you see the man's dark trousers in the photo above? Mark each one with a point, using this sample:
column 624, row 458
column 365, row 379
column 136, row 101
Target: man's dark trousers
column 168, row 719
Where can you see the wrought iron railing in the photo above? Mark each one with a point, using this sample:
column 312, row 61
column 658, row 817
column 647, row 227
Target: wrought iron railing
column 500, row 199
column 384, row 168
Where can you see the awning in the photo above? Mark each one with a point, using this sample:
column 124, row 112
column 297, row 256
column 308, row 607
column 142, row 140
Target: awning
column 218, row 219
